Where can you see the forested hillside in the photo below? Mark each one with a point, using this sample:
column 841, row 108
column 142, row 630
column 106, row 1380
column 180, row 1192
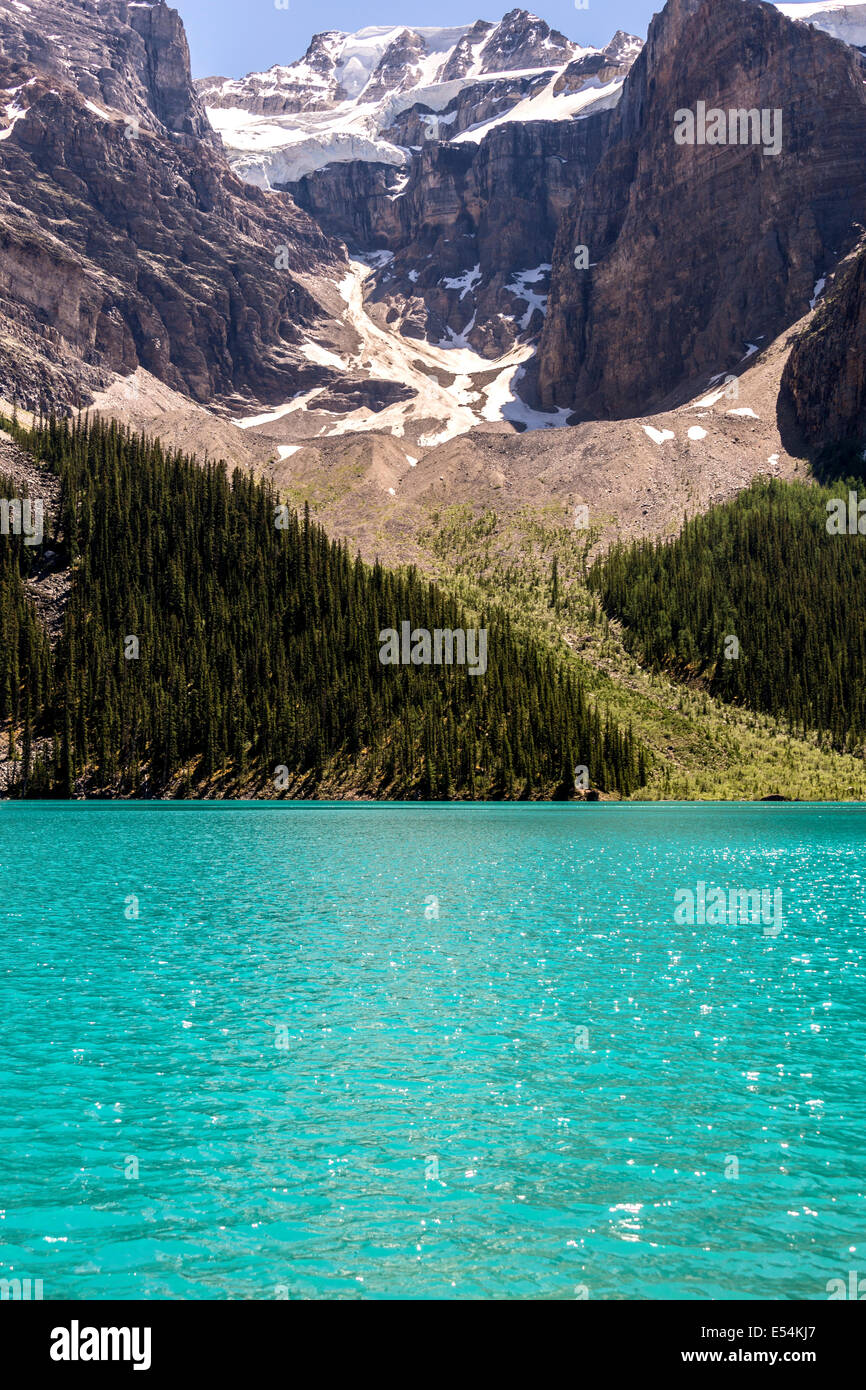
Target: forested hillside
column 762, row 570
column 205, row 647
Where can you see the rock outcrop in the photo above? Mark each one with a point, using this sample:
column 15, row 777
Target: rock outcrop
column 311, row 84
column 522, row 40
column 462, row 59
column 399, row 66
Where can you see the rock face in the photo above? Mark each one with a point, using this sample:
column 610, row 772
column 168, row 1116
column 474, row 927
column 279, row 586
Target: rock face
column 456, row 151
column 130, row 58
column 824, row 382
column 475, row 165
column 470, row 227
column 125, row 238
column 311, row 84
column 400, row 65
column 462, row 59
column 697, row 251
column 602, row 66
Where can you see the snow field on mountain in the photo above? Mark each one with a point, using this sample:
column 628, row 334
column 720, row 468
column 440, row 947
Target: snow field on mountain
column 384, row 355
column 343, row 77
column 846, row 21
column 272, row 149
column 547, row 106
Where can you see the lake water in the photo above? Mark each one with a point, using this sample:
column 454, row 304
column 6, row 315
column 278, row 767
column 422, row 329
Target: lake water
column 268, row 1051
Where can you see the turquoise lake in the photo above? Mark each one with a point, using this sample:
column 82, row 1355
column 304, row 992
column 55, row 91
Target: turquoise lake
column 265, row 1051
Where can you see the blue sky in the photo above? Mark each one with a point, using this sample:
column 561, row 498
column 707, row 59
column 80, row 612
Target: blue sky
column 232, row 37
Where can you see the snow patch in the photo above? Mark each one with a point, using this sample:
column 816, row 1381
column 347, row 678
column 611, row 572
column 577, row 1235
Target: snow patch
column 458, row 340
column 546, row 106
column 465, row 283
column 14, row 112
column 521, row 287
column 97, row 111
column 456, row 407
column 658, row 436
column 296, row 403
column 707, row 401
column 376, row 260
column 282, row 147
column 503, row 403
column 322, row 357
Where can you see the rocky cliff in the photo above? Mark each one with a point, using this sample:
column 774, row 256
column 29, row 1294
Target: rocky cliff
column 488, row 195
column 470, row 228
column 823, row 390
column 700, row 252
column 125, row 238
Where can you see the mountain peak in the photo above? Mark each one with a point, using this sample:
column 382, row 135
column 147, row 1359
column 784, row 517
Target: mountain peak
column 384, row 91
column 522, row 40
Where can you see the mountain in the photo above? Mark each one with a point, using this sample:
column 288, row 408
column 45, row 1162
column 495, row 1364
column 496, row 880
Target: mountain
column 126, row 241
column 357, row 278
column 460, row 167
column 455, row 150
column 206, row 651
column 823, row 388
column 174, row 272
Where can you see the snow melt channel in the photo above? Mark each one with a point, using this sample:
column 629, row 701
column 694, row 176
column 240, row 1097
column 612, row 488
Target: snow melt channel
column 446, row 410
